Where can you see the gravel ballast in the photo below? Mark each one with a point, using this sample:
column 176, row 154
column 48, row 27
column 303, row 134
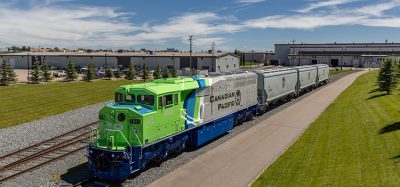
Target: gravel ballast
column 27, row 134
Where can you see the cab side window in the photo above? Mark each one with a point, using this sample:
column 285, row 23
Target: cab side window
column 168, row 100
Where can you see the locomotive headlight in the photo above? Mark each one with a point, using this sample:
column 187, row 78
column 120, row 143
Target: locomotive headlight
column 121, row 117
column 112, row 155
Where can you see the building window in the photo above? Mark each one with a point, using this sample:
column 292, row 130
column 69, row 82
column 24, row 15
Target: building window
column 227, row 66
column 201, row 58
column 234, row 65
column 219, row 68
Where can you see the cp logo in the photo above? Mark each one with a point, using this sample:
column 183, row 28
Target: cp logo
column 238, row 97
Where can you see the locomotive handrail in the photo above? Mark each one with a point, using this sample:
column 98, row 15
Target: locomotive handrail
column 91, row 139
column 141, row 144
column 130, row 147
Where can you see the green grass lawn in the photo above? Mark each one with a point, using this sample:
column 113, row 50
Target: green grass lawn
column 26, row 102
column 355, row 142
column 334, row 73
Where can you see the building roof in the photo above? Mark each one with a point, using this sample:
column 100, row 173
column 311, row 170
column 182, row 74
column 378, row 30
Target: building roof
column 314, row 44
column 115, row 54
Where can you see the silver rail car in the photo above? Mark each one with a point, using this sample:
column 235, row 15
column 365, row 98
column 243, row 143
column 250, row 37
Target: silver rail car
column 284, row 83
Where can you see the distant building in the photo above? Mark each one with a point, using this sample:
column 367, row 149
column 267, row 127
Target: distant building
column 259, row 57
column 213, row 62
column 336, row 54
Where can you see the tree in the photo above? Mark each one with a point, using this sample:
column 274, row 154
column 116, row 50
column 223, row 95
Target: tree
column 90, row 73
column 117, row 74
column 108, row 72
column 130, row 74
column 387, row 77
column 7, row 74
column 241, row 56
column 145, row 75
column 71, row 71
column 36, row 73
column 173, row 72
column 157, row 73
column 46, row 74
column 165, row 73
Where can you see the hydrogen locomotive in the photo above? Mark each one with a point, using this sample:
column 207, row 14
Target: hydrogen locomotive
column 150, row 121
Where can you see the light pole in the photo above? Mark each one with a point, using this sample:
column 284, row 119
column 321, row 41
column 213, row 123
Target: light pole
column 27, row 63
column 190, row 51
column 341, row 61
column 105, row 60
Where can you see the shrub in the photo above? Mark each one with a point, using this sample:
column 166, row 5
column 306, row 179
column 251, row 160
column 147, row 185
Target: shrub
column 7, row 74
column 70, row 71
column 108, row 72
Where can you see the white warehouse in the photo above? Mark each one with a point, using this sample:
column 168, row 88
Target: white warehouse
column 336, row 54
column 213, row 62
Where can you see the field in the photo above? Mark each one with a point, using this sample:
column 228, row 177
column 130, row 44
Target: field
column 334, row 73
column 355, row 142
column 26, row 102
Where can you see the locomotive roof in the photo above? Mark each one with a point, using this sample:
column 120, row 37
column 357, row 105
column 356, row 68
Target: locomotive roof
column 168, row 85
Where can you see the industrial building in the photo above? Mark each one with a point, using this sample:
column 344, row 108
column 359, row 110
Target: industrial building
column 213, row 62
column 336, row 54
column 259, row 57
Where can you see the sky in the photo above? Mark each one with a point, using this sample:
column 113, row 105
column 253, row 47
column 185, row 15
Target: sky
column 230, row 24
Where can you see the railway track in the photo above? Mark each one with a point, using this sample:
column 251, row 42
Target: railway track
column 30, row 158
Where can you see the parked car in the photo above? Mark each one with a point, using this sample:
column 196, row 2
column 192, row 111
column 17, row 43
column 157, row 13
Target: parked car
column 101, row 73
column 83, row 70
column 60, row 73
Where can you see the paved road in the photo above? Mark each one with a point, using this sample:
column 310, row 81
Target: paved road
column 240, row 160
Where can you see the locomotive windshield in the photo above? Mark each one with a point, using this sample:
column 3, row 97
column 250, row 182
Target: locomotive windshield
column 119, row 97
column 145, row 99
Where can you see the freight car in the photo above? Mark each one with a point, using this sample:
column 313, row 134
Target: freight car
column 150, row 121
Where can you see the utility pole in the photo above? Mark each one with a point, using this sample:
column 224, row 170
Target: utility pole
column 292, row 58
column 105, row 60
column 190, row 51
column 341, row 61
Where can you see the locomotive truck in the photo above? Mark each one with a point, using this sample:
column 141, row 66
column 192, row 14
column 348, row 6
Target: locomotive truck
column 150, row 121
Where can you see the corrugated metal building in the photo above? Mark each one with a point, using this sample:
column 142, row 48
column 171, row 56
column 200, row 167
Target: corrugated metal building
column 259, row 57
column 213, row 62
column 336, row 54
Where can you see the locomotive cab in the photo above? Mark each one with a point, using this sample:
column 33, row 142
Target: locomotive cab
column 141, row 115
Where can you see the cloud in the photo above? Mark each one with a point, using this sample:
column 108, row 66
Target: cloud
column 50, row 25
column 321, row 4
column 378, row 9
column 249, row 1
column 302, row 22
